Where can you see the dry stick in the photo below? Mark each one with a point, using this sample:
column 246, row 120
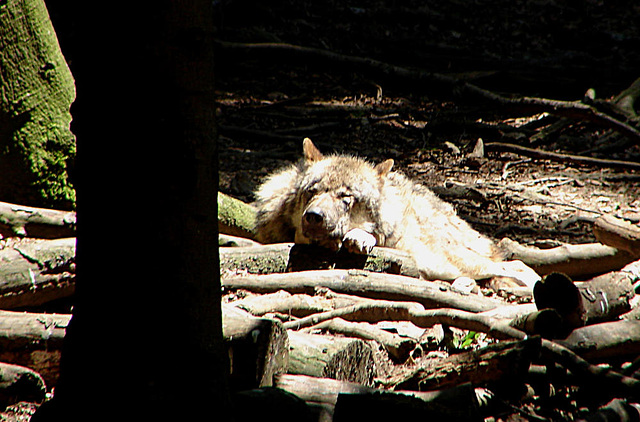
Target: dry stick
column 554, row 156
column 572, row 109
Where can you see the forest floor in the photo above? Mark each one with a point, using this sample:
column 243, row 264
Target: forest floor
column 542, row 49
column 546, row 48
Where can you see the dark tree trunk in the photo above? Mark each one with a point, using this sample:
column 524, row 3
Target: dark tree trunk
column 144, row 120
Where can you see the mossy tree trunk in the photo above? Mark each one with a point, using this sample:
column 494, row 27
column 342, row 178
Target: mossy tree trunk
column 36, row 92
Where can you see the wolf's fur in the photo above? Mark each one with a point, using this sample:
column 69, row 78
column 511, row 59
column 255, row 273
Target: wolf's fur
column 341, row 201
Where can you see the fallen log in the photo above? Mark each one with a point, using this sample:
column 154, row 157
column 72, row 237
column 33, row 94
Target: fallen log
column 287, row 257
column 617, row 233
column 551, row 351
column 325, row 356
column 227, row 241
column 18, row 383
column 22, row 221
column 235, row 217
column 366, row 284
column 33, row 341
column 302, row 305
column 615, row 339
column 603, row 298
column 258, row 349
column 398, row 347
column 577, row 261
column 496, row 363
column 459, row 403
column 263, row 259
column 34, row 273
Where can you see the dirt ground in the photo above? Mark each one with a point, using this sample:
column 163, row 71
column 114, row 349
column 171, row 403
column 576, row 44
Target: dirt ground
column 543, row 48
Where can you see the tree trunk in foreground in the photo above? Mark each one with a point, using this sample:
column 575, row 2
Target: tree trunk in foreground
column 144, row 120
column 36, row 144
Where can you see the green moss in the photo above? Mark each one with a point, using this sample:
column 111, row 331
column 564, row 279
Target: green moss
column 36, row 143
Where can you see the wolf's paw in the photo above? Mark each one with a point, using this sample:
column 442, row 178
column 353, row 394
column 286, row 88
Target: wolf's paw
column 358, row 241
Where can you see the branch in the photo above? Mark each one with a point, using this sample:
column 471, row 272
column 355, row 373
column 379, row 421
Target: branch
column 436, row 81
column 564, row 158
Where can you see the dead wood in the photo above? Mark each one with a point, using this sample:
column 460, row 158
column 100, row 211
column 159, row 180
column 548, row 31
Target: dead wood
column 283, row 302
column 398, row 347
column 603, row 298
column 35, row 273
column 18, row 383
column 617, row 410
column 598, row 342
column 235, row 217
column 226, row 240
column 302, row 305
column 19, row 220
column 326, row 356
column 287, row 257
column 366, row 284
column 459, row 403
column 577, row 261
column 438, row 82
column 625, row 101
column 546, row 323
column 606, row 340
column 33, row 341
column 498, row 329
column 506, row 362
column 563, row 158
column 263, row 259
column 258, row 349
column 617, row 233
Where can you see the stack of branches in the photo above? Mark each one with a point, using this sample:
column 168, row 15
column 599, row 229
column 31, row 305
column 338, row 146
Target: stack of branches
column 335, row 331
column 362, row 335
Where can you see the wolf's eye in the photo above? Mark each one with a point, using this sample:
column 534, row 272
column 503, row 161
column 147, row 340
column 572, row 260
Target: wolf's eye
column 346, row 197
column 311, row 190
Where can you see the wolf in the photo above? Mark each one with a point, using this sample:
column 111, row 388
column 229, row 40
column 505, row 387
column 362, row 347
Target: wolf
column 345, row 202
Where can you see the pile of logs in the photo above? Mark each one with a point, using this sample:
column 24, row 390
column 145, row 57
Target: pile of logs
column 363, row 336
column 331, row 335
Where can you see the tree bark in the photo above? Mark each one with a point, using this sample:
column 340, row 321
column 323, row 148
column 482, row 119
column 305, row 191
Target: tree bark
column 235, row 217
column 18, row 383
column 36, row 144
column 33, row 274
column 18, row 220
column 144, row 120
column 366, row 284
column 258, row 349
column 617, row 233
column 606, row 340
column 326, row 356
column 501, row 362
column 34, row 341
column 578, row 261
column 283, row 257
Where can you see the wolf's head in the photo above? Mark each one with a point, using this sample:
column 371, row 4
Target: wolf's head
column 337, row 193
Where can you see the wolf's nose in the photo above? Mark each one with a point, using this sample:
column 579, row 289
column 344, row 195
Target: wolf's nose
column 314, row 216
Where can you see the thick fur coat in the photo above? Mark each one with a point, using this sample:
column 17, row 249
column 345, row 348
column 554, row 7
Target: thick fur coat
column 341, row 201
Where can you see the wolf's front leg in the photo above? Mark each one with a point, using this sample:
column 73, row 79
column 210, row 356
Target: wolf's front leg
column 358, row 241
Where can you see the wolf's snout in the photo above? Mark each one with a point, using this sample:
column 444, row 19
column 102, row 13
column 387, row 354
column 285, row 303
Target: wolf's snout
column 314, row 216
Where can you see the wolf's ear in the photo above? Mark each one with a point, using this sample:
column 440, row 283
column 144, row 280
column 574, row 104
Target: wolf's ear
column 384, row 167
column 311, row 153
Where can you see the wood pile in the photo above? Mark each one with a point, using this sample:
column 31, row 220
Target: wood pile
column 333, row 336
